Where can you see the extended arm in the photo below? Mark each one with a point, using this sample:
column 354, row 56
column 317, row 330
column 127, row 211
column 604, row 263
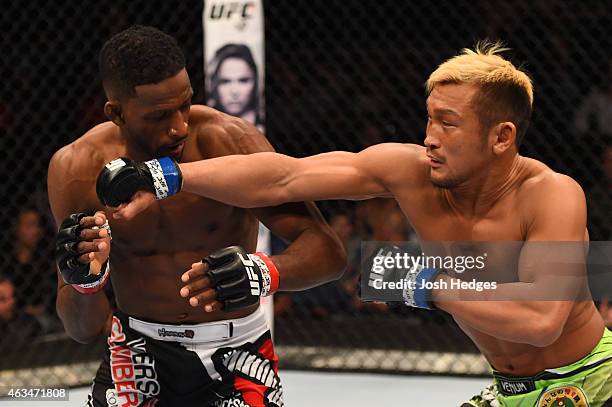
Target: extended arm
column 267, row 179
column 263, row 178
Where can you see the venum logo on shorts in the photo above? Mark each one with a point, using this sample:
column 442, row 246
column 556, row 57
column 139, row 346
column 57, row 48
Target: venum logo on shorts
column 563, row 396
column 187, row 333
column 514, row 387
column 132, row 369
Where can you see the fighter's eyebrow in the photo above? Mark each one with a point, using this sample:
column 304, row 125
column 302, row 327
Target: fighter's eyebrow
column 446, row 111
column 157, row 113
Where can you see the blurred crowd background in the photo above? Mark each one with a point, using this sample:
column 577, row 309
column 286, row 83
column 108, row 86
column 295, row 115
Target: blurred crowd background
column 340, row 75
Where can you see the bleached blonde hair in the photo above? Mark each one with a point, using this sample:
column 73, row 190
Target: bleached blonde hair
column 506, row 92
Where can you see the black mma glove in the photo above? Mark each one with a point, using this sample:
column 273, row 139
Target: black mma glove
column 389, row 280
column 240, row 278
column 67, row 256
column 121, row 178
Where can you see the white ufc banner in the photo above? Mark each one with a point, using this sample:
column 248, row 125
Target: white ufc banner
column 234, row 58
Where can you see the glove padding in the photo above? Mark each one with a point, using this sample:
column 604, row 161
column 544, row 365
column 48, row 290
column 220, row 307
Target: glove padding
column 240, row 278
column 67, row 256
column 121, row 178
column 393, row 284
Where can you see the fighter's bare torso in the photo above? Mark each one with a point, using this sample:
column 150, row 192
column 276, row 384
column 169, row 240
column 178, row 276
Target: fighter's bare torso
column 435, row 217
column 150, row 252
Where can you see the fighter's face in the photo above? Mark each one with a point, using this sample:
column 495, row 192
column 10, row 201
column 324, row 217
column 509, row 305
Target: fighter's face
column 456, row 144
column 157, row 118
column 236, row 85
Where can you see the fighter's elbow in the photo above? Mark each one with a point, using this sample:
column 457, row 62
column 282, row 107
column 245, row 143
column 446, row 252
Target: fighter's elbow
column 337, row 258
column 85, row 340
column 81, row 335
column 79, row 331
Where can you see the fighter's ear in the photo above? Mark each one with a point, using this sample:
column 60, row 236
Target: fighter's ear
column 112, row 110
column 504, row 137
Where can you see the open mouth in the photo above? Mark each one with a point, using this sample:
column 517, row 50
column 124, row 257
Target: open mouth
column 175, row 149
column 434, row 162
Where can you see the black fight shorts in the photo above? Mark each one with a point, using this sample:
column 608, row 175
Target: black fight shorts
column 228, row 363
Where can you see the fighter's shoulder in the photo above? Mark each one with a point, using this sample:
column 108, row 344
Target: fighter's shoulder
column 541, row 179
column 221, row 134
column 400, row 151
column 542, row 186
column 397, row 160
column 85, row 155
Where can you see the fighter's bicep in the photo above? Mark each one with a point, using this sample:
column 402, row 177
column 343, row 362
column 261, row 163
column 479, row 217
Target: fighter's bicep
column 334, row 175
column 384, row 169
column 554, row 250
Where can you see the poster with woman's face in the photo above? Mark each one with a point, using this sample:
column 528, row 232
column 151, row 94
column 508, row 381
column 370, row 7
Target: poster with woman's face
column 234, row 57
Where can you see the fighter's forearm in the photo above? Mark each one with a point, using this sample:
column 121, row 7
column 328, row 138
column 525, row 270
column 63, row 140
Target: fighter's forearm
column 84, row 316
column 270, row 179
column 314, row 258
column 520, row 320
column 245, row 181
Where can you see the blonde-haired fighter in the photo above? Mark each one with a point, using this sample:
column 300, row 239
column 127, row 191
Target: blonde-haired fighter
column 467, row 183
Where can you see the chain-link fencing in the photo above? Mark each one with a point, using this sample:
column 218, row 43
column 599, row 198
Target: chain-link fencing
column 340, row 75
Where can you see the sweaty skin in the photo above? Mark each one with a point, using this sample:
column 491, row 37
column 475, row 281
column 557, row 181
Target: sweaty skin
column 465, row 184
column 151, row 252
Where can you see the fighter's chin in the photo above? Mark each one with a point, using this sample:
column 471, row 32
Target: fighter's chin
column 442, row 182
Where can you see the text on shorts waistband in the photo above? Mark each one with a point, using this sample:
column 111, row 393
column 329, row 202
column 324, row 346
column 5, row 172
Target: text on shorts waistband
column 197, row 333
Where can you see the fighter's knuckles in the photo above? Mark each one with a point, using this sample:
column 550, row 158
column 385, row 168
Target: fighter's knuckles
column 91, row 234
column 87, row 247
column 89, row 222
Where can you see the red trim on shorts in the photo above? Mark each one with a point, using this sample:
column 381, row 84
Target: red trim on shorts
column 254, row 393
column 274, row 274
column 267, row 351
